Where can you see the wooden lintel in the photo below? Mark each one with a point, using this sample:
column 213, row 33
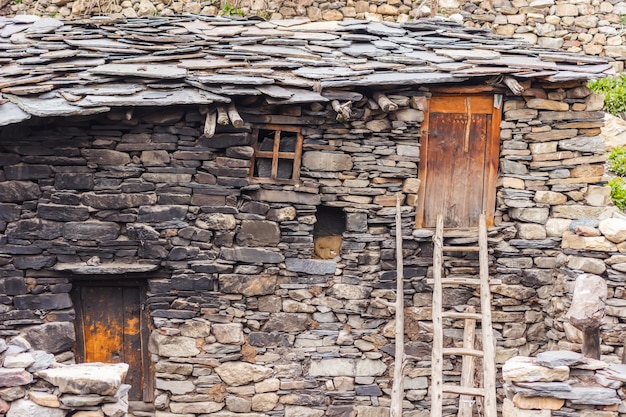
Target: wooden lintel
column 222, row 116
column 209, row 124
column 234, row 116
column 385, row 103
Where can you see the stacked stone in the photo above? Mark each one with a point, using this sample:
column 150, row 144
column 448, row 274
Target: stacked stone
column 594, row 28
column 246, row 321
column 552, row 171
column 562, row 383
column 33, row 383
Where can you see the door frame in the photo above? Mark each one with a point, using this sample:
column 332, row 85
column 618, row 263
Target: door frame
column 492, row 152
column 144, row 318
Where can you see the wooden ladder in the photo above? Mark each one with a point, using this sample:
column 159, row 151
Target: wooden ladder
column 468, row 352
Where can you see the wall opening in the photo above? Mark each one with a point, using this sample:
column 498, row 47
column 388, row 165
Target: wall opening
column 112, row 326
column 328, row 231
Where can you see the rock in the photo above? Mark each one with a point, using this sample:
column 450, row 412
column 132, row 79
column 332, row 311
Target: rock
column 556, row 358
column 87, row 378
column 242, row 373
column 510, row 410
column 524, row 369
column 14, row 377
column 230, row 333
column 299, row 411
column 174, row 346
column 19, row 360
column 248, row 285
column 350, row 292
column 258, row 233
column 326, row 161
column 252, row 255
column 287, row 322
column 202, row 407
column 175, row 387
column 44, row 399
column 89, row 230
column 614, row 229
column 573, row 241
column 26, row 408
column 532, row 215
column 51, row 337
column 264, row 402
column 590, row 265
column 311, row 266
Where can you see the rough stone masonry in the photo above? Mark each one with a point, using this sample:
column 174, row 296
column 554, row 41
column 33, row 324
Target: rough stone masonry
column 245, row 321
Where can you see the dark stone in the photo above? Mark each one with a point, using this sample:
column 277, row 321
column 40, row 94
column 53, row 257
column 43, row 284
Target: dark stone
column 287, row 322
column 11, row 159
column 180, row 253
column 62, row 213
column 27, row 172
column 52, row 337
column 537, row 277
column 118, row 201
column 304, row 399
column 159, row 286
column 173, row 314
column 141, row 232
column 18, row 191
column 158, row 214
column 42, row 302
column 65, row 198
column 368, row 390
column 73, row 181
column 233, row 182
column 13, row 286
column 252, row 255
column 258, row 233
column 106, row 156
column 268, row 340
column 311, row 266
column 226, row 140
column 278, row 196
column 228, row 172
column 36, row 229
column 9, row 212
column 21, row 250
column 248, row 285
column 356, row 222
column 255, row 207
column 211, row 267
column 240, row 152
column 420, row 350
column 169, row 199
column 341, row 411
column 34, row 262
column 92, row 230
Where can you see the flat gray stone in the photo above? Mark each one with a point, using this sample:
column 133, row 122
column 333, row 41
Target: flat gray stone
column 311, row 266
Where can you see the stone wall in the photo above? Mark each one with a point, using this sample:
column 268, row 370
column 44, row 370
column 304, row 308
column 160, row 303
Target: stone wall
column 246, row 321
column 562, row 383
column 33, row 383
column 590, row 27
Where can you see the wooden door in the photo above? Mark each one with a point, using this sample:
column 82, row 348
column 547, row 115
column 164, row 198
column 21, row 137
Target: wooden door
column 458, row 160
column 111, row 329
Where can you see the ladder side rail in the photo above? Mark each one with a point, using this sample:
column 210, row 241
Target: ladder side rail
column 436, row 389
column 468, row 366
column 488, row 339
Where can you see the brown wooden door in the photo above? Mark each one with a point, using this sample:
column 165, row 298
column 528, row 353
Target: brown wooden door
column 111, row 329
column 458, row 160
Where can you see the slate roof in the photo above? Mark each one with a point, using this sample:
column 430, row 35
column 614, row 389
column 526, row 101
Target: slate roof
column 50, row 67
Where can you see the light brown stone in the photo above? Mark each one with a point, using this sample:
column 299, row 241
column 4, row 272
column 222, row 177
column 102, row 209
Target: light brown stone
column 543, row 104
column 537, row 403
column 525, row 369
column 510, row 410
column 573, row 241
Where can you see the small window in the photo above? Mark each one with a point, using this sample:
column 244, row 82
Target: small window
column 328, row 231
column 277, row 154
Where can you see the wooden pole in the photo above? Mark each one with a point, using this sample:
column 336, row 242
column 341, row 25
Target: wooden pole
column 436, row 378
column 397, row 390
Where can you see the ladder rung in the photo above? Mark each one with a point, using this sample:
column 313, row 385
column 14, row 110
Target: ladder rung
column 460, row 248
column 463, row 281
column 463, row 351
column 456, row 389
column 456, row 315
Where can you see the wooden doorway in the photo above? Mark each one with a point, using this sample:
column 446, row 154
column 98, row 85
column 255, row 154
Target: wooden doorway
column 112, row 327
column 459, row 160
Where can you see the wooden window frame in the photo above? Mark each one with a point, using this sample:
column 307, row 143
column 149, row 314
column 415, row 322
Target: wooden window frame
column 145, row 324
column 275, row 154
column 492, row 152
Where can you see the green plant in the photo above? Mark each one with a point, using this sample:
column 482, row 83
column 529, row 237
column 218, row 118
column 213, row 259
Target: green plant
column 618, row 192
column 617, row 161
column 614, row 91
column 230, row 10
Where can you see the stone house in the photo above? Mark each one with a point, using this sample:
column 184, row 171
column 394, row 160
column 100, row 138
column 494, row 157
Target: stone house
column 212, row 201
